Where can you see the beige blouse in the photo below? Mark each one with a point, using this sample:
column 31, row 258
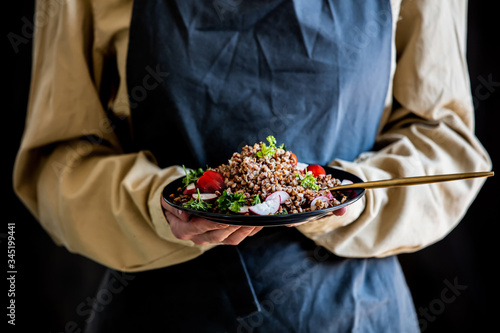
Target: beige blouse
column 97, row 201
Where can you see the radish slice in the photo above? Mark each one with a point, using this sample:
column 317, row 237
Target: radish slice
column 325, row 200
column 243, row 210
column 205, row 196
column 328, row 194
column 301, row 166
column 346, row 182
column 268, row 207
column 283, row 195
column 190, row 189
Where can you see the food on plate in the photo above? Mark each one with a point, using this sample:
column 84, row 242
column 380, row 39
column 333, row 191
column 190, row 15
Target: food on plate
column 263, row 179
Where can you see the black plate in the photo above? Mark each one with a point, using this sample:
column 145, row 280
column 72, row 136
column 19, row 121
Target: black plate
column 269, row 220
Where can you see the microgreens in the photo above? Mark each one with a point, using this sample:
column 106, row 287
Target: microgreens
column 191, row 176
column 283, row 212
column 271, row 150
column 309, row 181
column 231, row 201
column 198, row 203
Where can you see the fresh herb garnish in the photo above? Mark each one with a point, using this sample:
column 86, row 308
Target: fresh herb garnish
column 309, row 181
column 231, row 201
column 256, row 200
column 191, row 176
column 283, row 212
column 271, row 150
column 198, row 203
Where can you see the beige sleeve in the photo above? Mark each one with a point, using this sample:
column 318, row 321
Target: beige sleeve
column 71, row 170
column 430, row 131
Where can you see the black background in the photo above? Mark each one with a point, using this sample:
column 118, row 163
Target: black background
column 51, row 283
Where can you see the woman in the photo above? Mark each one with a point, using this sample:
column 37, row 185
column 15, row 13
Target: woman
column 123, row 94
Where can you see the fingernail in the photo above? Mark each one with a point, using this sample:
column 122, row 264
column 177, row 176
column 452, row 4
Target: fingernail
column 186, row 217
column 340, row 211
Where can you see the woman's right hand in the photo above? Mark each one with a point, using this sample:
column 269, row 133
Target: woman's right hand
column 202, row 231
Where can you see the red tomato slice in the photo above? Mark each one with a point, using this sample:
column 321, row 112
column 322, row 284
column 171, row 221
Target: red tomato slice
column 316, row 169
column 210, row 182
column 294, row 158
column 214, row 175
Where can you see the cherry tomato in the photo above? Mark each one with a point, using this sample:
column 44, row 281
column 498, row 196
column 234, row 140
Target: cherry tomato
column 210, row 182
column 293, row 158
column 316, row 169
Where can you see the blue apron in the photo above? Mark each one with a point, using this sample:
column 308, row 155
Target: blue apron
column 206, row 78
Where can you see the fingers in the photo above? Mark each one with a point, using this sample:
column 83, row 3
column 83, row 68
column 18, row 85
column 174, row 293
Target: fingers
column 202, row 231
column 184, row 216
column 295, row 224
column 255, row 230
column 232, row 235
column 340, row 211
column 185, row 227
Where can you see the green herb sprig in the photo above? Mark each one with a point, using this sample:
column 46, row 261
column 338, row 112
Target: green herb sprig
column 198, row 203
column 308, row 181
column 191, row 175
column 231, row 201
column 271, row 149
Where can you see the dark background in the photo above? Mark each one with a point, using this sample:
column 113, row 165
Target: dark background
column 51, row 283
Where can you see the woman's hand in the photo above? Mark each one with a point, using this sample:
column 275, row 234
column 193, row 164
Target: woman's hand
column 202, row 231
column 338, row 212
